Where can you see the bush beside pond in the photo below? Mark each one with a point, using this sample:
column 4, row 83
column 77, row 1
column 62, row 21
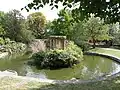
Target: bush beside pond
column 54, row 59
column 12, row 46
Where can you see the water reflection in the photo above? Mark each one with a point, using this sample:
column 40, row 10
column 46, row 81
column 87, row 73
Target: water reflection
column 91, row 67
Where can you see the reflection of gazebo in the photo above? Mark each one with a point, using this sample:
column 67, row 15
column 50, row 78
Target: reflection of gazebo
column 56, row 42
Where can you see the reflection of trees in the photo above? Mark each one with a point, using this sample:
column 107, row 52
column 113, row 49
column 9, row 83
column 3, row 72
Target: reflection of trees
column 15, row 63
column 96, row 66
column 92, row 66
column 65, row 73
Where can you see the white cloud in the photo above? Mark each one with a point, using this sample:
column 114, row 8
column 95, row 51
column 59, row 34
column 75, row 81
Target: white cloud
column 7, row 5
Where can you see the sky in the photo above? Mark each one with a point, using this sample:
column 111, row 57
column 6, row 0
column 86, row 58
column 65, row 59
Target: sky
column 7, row 5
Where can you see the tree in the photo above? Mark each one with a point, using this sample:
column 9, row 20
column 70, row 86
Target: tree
column 107, row 9
column 2, row 25
column 79, row 36
column 36, row 23
column 13, row 25
column 2, row 19
column 96, row 30
column 25, row 35
column 114, row 32
column 62, row 25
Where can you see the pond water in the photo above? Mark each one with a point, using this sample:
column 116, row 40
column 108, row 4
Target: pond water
column 91, row 67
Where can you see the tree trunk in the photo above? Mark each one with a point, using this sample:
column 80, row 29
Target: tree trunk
column 94, row 43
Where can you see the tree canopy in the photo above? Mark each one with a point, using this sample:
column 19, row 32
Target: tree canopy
column 96, row 30
column 36, row 23
column 107, row 9
column 13, row 20
column 62, row 25
column 114, row 32
column 13, row 26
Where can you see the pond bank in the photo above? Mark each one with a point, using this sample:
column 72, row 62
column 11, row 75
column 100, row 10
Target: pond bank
column 107, row 51
column 21, row 83
column 113, row 54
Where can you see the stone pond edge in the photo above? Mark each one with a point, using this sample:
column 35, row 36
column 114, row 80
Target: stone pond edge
column 116, row 59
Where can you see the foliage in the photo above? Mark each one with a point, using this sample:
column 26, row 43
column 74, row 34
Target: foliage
column 83, row 44
column 54, row 59
column 13, row 47
column 2, row 24
column 2, row 19
column 26, row 35
column 2, row 41
column 79, row 37
column 114, row 32
column 13, row 21
column 74, row 50
column 2, row 31
column 107, row 9
column 36, row 23
column 62, row 25
column 96, row 30
column 93, row 29
column 13, row 26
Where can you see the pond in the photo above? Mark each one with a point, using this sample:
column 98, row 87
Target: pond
column 90, row 68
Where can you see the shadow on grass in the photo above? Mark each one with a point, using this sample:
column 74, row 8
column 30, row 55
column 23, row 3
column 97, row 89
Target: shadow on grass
column 113, row 84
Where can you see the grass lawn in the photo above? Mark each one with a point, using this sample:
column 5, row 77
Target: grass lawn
column 19, row 83
column 108, row 51
column 11, row 83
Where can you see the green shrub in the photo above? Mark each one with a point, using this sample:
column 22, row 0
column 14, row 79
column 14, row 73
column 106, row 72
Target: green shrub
column 2, row 41
column 13, row 47
column 54, row 59
column 83, row 44
column 7, row 40
column 74, row 50
column 38, row 58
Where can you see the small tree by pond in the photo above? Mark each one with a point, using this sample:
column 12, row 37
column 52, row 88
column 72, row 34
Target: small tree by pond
column 96, row 30
column 114, row 32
